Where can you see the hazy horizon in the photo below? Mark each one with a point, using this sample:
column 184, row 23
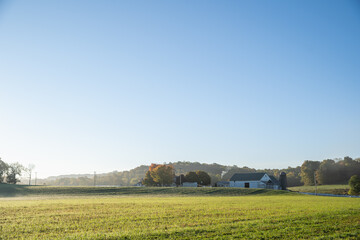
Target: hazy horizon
column 102, row 86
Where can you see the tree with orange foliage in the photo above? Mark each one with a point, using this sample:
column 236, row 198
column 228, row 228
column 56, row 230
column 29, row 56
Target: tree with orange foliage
column 153, row 166
column 159, row 175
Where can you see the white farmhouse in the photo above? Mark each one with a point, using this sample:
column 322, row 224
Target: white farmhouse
column 254, row 180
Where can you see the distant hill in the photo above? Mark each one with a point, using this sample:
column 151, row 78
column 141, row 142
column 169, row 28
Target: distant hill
column 69, row 176
column 216, row 171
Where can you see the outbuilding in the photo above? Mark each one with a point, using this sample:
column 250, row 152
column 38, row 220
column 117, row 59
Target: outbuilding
column 189, row 184
column 222, row 184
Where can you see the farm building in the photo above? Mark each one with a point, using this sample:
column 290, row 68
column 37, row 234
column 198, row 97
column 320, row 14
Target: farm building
column 222, row 184
column 189, row 184
column 254, row 180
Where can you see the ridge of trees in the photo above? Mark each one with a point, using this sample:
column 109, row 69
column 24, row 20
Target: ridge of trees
column 328, row 171
column 217, row 172
column 164, row 175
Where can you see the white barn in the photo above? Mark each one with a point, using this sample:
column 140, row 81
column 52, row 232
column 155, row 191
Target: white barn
column 254, row 180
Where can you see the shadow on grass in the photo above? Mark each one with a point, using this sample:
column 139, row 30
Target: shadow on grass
column 9, row 190
column 12, row 190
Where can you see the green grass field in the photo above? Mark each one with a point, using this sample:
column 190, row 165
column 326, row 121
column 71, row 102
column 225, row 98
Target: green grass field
column 186, row 215
column 331, row 189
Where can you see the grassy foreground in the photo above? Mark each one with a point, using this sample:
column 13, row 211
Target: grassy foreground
column 180, row 217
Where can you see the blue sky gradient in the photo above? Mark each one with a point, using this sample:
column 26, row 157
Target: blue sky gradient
column 109, row 85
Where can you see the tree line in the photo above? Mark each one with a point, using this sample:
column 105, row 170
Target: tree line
column 329, row 171
column 202, row 178
column 115, row 178
column 164, row 175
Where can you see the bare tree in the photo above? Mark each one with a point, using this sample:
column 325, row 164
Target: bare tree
column 29, row 170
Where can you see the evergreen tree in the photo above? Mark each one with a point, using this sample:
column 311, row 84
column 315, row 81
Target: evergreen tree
column 354, row 184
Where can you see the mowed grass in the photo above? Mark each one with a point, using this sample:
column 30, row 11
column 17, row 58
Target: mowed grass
column 180, row 217
column 331, row 189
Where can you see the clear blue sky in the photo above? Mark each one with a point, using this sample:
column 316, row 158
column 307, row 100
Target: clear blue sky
column 109, row 85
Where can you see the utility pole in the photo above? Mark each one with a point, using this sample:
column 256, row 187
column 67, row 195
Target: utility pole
column 94, row 178
column 180, row 175
column 35, row 177
column 315, row 184
column 29, row 171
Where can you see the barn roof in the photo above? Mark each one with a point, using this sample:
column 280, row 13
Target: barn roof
column 247, row 176
column 274, row 180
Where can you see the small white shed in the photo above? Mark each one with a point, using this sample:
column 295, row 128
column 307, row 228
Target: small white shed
column 189, row 184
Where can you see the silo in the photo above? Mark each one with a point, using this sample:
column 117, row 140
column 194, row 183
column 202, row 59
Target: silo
column 283, row 181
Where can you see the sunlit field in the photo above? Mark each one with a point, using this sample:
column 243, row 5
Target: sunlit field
column 288, row 216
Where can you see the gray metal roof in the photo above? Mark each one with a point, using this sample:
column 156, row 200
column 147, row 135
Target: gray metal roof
column 247, row 176
column 223, row 182
column 274, row 180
